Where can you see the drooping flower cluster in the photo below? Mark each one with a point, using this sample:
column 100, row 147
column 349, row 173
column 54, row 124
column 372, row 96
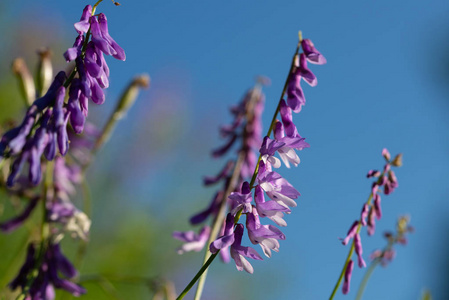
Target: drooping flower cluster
column 246, row 127
column 386, row 255
column 44, row 129
column 371, row 210
column 261, row 177
column 48, row 264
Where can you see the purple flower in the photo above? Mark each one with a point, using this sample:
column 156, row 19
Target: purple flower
column 83, row 25
column 13, row 223
column 268, row 149
column 277, row 188
column 348, row 274
column 364, row 214
column 212, row 209
column 238, row 252
column 208, row 180
column 312, row 54
column 295, row 95
column 241, row 201
column 270, row 209
column 52, row 264
column 351, row 232
column 227, row 238
column 193, row 241
column 359, row 250
column 266, row 236
column 305, row 72
column 287, row 152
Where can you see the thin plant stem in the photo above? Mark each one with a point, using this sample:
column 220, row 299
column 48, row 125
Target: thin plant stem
column 223, row 204
column 351, row 251
column 197, row 276
column 366, row 277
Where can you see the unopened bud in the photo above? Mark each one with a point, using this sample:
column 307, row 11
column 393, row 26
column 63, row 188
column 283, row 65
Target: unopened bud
column 397, row 161
column 386, row 154
column 44, row 72
column 130, row 95
column 26, row 83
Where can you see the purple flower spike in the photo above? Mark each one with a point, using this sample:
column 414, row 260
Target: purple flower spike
column 241, row 201
column 312, row 54
column 348, row 274
column 228, row 236
column 266, row 236
column 238, row 252
column 12, row 224
column 305, row 72
column 351, row 232
column 270, row 209
column 193, row 241
column 359, row 250
column 83, row 25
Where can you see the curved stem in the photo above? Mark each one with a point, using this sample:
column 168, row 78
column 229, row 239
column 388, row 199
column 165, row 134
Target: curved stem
column 365, row 279
column 197, row 276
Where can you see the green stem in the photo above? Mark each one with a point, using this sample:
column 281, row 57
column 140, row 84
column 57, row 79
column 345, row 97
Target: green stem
column 366, row 277
column 197, row 276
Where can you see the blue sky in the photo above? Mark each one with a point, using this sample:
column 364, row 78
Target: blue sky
column 385, row 85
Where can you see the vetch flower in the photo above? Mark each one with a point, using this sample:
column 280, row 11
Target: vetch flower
column 311, row 53
column 270, row 209
column 266, row 236
column 239, row 252
column 227, row 238
column 348, row 274
column 241, row 201
column 193, row 241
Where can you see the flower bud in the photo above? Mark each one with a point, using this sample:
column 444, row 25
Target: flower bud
column 397, row 161
column 26, row 83
column 44, row 72
column 130, row 95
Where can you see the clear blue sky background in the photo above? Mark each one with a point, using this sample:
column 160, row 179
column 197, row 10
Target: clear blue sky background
column 385, row 85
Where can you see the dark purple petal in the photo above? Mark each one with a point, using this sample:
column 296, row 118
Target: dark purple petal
column 348, row 274
column 312, row 54
column 351, row 232
column 305, row 73
column 83, row 25
column 119, row 52
column 12, row 224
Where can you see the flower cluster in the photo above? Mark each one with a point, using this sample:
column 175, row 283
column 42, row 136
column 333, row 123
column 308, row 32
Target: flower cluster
column 246, row 127
column 264, row 180
column 48, row 266
column 386, row 255
column 44, row 128
column 371, row 210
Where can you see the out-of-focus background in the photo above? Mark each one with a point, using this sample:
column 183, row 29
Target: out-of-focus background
column 385, row 85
